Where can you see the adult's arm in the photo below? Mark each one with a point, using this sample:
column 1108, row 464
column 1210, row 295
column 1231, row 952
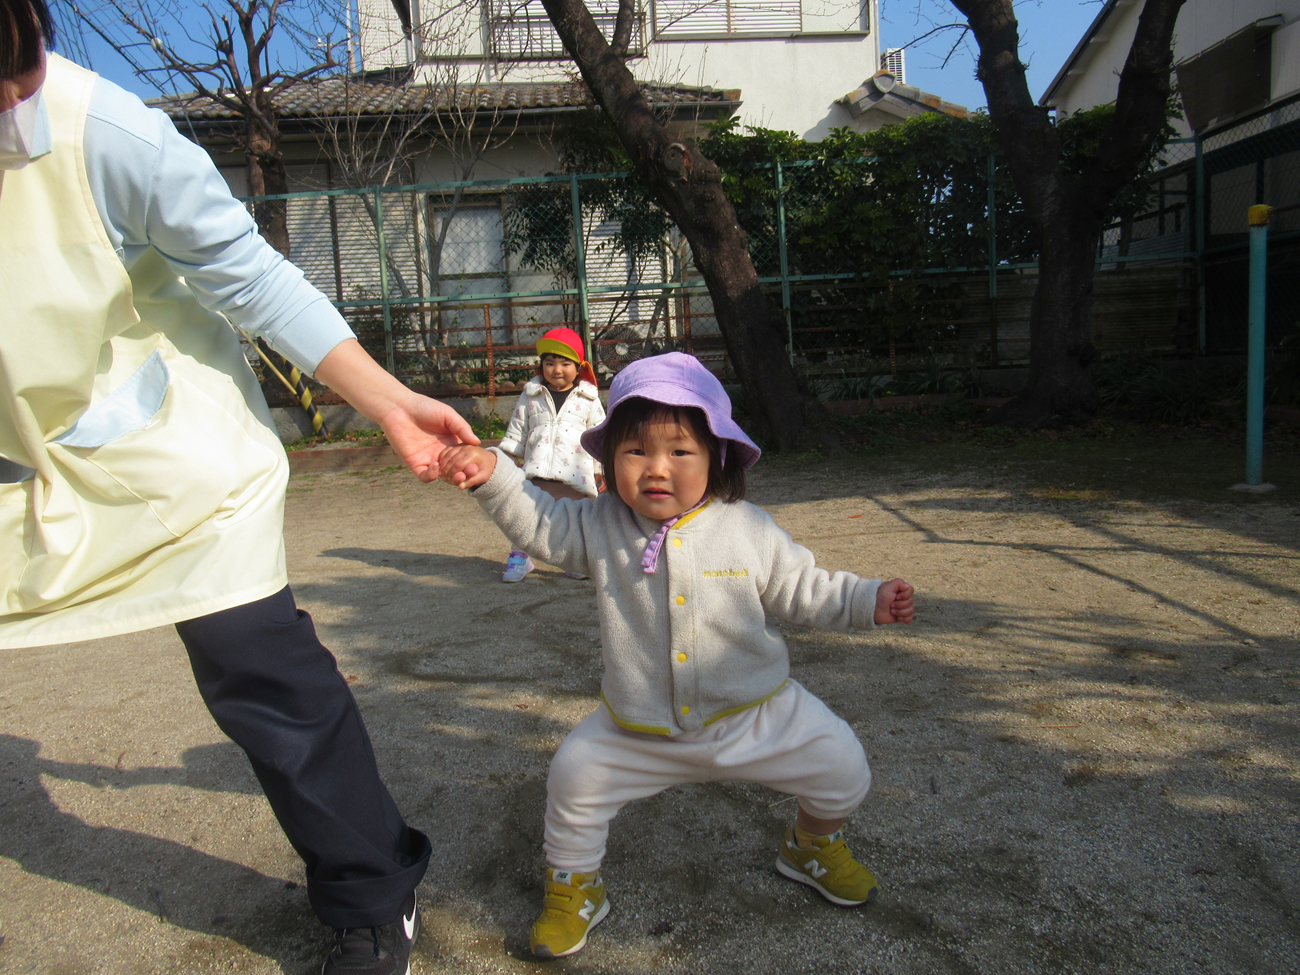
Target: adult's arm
column 155, row 188
column 417, row 426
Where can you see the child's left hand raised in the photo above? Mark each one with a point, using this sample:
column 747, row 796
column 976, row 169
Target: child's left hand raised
column 894, row 602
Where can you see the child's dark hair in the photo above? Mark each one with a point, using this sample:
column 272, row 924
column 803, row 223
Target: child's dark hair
column 629, row 420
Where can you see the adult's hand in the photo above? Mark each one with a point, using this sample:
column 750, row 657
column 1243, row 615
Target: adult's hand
column 417, row 427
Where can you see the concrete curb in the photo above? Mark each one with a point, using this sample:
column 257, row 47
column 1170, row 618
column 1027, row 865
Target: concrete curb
column 329, row 458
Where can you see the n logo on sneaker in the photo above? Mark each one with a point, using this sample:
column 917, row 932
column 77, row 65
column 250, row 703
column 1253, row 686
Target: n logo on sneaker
column 816, row 869
column 587, row 908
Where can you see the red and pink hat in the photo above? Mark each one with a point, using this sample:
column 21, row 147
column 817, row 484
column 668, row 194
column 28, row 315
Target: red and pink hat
column 568, row 343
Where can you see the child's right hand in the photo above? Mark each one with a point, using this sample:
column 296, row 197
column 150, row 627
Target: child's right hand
column 466, row 466
column 893, row 601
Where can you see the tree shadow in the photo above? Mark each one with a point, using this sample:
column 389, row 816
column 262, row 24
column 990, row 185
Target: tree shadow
column 1093, row 791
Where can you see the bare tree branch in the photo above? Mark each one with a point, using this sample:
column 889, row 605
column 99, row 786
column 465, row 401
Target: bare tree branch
column 228, row 62
column 964, row 28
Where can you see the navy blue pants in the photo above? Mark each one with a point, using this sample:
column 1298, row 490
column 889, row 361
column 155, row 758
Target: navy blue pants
column 277, row 692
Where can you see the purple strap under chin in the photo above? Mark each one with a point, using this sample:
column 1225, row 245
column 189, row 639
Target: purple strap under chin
column 650, row 560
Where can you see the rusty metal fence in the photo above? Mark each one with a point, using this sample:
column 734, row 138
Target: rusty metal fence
column 450, row 285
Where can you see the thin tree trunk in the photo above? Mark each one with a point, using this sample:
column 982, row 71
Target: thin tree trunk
column 689, row 187
column 267, row 177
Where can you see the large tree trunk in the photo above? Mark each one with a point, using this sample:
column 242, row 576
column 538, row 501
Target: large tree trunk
column 267, row 177
column 1068, row 210
column 689, row 187
column 1060, row 388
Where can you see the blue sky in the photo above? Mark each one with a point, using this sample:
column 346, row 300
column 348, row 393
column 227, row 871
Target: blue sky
column 1049, row 30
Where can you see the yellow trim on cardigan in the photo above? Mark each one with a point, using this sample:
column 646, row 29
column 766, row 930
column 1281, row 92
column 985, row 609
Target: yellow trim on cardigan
column 685, row 518
column 745, row 707
column 647, row 729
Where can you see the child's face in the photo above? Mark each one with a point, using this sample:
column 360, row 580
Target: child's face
column 663, row 473
column 559, row 372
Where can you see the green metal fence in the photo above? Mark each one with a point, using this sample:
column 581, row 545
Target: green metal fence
column 449, row 285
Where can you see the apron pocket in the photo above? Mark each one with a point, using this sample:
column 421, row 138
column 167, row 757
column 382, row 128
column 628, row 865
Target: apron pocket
column 189, row 461
column 129, row 407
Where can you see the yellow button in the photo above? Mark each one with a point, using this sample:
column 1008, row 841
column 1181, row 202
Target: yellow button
column 681, row 658
column 686, row 709
column 677, row 543
column 681, row 600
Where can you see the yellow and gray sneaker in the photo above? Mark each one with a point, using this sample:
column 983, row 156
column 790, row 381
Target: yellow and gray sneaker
column 828, row 866
column 575, row 903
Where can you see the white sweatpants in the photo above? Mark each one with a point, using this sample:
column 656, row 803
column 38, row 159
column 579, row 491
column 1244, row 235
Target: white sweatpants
column 792, row 743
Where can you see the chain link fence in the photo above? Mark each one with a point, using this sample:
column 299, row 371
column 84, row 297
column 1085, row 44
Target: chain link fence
column 450, row 285
column 1190, row 239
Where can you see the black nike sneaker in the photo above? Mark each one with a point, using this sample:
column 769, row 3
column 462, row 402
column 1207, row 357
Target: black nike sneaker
column 384, row 950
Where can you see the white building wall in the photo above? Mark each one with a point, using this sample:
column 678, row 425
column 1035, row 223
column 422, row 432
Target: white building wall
column 787, row 81
column 1203, row 23
column 1286, row 59
column 798, row 96
column 1094, row 79
column 520, row 155
column 379, row 40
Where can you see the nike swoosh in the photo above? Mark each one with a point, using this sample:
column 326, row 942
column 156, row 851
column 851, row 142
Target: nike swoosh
column 408, row 924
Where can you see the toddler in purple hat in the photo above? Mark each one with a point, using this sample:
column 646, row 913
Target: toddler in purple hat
column 696, row 685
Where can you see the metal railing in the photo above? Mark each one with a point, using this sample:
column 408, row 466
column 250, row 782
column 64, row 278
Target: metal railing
column 450, row 284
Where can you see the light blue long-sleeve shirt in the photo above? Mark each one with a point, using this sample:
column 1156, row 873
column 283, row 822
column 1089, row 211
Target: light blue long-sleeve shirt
column 155, row 188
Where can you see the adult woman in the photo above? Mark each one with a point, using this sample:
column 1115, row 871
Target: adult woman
column 140, row 480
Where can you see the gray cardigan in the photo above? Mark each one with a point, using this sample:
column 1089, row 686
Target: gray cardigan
column 689, row 644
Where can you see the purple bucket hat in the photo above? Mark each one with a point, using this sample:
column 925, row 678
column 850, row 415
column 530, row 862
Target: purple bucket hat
column 676, row 379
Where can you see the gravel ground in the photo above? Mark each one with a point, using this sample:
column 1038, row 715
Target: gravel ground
column 1085, row 751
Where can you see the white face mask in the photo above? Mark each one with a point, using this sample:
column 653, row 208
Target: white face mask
column 18, row 131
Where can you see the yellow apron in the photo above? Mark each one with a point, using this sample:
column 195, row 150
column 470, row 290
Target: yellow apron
column 143, row 481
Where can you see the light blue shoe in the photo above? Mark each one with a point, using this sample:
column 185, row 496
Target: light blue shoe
column 517, row 566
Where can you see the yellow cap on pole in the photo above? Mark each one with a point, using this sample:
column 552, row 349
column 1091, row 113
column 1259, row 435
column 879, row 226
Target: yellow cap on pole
column 1257, row 216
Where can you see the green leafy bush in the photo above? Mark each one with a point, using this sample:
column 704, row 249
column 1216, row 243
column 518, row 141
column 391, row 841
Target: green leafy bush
column 1141, row 388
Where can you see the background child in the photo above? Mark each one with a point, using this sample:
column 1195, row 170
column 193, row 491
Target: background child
column 696, row 684
column 554, row 410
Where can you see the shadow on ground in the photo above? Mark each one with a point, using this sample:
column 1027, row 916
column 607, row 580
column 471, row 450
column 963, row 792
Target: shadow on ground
column 1086, row 752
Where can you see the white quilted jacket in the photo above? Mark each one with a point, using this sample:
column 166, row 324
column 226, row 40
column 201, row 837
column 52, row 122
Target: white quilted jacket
column 548, row 442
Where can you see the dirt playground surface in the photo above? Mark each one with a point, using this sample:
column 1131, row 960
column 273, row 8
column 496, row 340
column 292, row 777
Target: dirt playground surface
column 1086, row 751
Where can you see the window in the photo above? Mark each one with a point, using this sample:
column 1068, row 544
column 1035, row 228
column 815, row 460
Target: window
column 683, row 18
column 520, row 30
column 1229, row 78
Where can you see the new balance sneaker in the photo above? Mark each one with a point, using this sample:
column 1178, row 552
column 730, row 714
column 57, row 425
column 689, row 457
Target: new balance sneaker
column 517, row 566
column 574, row 904
column 385, row 950
column 829, row 867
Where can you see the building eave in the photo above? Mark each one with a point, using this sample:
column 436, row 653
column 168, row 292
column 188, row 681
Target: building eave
column 880, row 93
column 1079, row 49
column 311, row 103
